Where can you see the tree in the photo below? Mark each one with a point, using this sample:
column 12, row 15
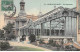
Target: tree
column 52, row 43
column 9, row 31
column 1, row 33
column 32, row 38
column 4, row 45
column 11, row 36
column 23, row 38
column 41, row 41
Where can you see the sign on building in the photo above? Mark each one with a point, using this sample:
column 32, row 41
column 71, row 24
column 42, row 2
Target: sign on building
column 6, row 5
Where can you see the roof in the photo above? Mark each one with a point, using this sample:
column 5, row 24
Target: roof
column 11, row 18
column 28, row 16
column 47, row 16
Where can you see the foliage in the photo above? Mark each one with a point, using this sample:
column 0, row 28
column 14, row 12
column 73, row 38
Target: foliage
column 8, row 31
column 52, row 43
column 32, row 38
column 4, row 45
column 1, row 33
column 11, row 36
column 67, row 47
column 41, row 41
column 58, row 46
column 8, row 28
column 23, row 38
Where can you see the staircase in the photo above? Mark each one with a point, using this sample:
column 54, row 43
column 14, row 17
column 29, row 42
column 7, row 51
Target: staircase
column 76, row 44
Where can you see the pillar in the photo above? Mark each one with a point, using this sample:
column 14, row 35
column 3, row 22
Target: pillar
column 50, row 28
column 59, row 31
column 59, row 28
column 42, row 33
column 71, row 27
column 26, row 31
column 65, row 26
column 68, row 26
column 34, row 31
column 40, row 30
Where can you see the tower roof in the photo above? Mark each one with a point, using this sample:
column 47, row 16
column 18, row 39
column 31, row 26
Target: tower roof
column 22, row 12
column 22, row 0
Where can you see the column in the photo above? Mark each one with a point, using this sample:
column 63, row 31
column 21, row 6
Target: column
column 23, row 31
column 59, row 28
column 34, row 31
column 19, row 31
column 68, row 26
column 42, row 30
column 50, row 28
column 26, row 31
column 76, row 27
column 59, row 31
column 71, row 27
column 65, row 26
column 54, row 31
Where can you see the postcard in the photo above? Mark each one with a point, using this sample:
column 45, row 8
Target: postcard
column 39, row 25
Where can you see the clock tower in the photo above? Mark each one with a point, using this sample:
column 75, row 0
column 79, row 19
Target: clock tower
column 22, row 4
column 21, row 21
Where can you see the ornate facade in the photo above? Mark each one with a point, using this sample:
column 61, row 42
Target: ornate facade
column 59, row 24
column 20, row 20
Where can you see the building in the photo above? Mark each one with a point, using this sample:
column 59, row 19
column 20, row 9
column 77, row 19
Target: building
column 32, row 17
column 9, row 20
column 78, row 9
column 59, row 24
column 12, row 19
column 19, row 20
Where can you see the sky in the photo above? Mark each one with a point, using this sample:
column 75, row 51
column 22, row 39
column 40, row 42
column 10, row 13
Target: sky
column 32, row 7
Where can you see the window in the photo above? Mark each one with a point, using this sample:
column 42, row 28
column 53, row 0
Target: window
column 46, row 28
column 57, row 27
column 37, row 29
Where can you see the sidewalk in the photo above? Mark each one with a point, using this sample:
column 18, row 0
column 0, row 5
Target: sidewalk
column 27, row 45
